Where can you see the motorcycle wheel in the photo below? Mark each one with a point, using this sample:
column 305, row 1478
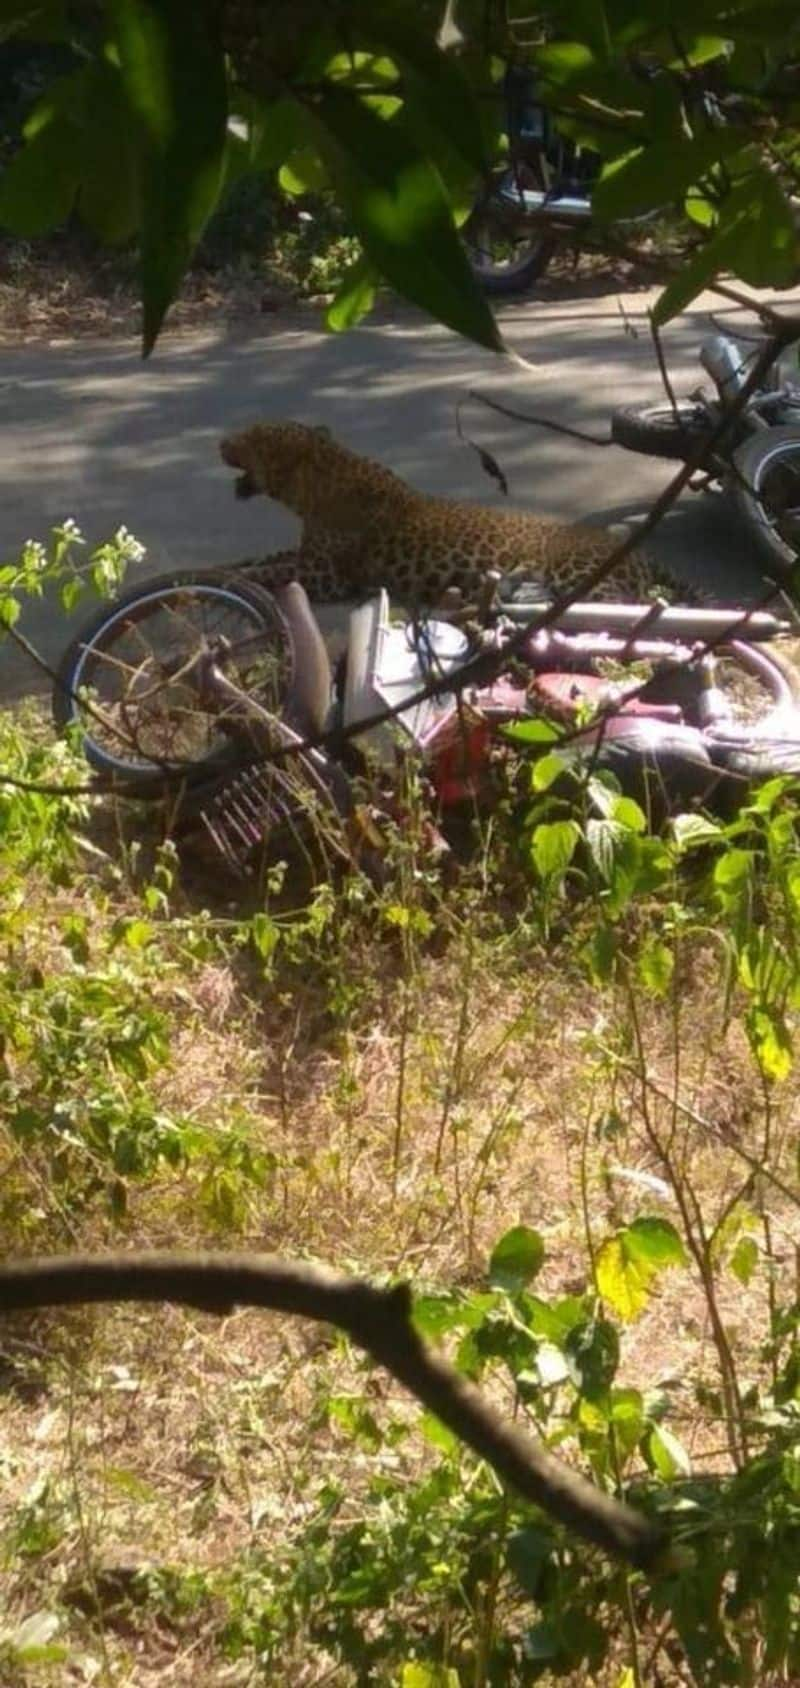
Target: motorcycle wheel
column 505, row 257
column 129, row 684
column 765, row 488
column 656, row 430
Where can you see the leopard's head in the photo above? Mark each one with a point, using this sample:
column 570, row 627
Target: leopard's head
column 278, row 459
column 306, row 469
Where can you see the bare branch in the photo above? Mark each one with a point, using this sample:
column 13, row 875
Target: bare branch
column 378, row 1320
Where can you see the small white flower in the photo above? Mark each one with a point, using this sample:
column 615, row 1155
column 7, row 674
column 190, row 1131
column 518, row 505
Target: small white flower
column 70, row 530
column 130, row 547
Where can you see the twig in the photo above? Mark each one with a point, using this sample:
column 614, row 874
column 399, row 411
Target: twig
column 535, row 421
column 54, row 790
column 756, row 1164
column 662, row 364
column 378, row 1320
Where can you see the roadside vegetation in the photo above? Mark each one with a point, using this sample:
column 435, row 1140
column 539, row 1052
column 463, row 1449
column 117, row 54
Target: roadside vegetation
column 551, row 1082
column 554, row 1088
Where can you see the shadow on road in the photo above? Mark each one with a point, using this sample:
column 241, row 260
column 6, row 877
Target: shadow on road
column 92, row 433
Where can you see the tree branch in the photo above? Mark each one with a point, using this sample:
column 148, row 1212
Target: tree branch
column 378, row 1320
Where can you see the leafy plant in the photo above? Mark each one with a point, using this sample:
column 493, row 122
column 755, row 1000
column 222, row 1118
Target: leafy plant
column 394, row 110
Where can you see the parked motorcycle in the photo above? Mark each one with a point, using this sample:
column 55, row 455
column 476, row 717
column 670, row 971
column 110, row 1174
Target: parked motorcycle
column 527, row 208
column 756, row 461
column 218, row 695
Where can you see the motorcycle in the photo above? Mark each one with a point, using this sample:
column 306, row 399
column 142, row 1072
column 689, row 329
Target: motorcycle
column 755, row 461
column 210, row 693
column 527, row 208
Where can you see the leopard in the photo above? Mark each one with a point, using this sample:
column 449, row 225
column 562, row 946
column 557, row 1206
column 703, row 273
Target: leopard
column 363, row 529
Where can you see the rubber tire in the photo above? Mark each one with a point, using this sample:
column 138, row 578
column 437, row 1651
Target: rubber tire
column 138, row 782
column 522, row 277
column 653, row 430
column 761, row 762
column 750, row 461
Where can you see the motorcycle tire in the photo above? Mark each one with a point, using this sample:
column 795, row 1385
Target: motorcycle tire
column 765, row 490
column 126, row 679
column 505, row 280
column 656, row 430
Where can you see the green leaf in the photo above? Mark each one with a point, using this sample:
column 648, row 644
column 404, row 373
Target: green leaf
column 516, row 1259
column 434, row 81
column 422, row 1675
column 655, row 967
column 756, row 239
column 9, row 610
column 398, row 207
column 350, row 1413
column 627, row 813
column 303, row 172
column 355, row 296
column 656, row 1241
column 547, row 769
column 531, row 732
column 173, row 71
column 692, row 832
column 38, row 187
column 565, row 61
column 622, row 1282
column 659, row 173
column 593, row 1350
column 434, row 1315
column 744, row 1259
column 438, row 1434
column 278, row 129
column 553, row 847
column 108, row 198
column 603, row 838
column 135, row 934
column 669, row 1456
column 770, row 1042
column 601, row 953
column 627, row 1263
column 265, row 935
column 732, row 868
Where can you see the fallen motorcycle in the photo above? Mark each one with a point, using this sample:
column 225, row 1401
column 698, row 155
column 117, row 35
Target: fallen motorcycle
column 755, row 461
column 219, row 696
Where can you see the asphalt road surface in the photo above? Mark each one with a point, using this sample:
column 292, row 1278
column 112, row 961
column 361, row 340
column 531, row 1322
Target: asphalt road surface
column 93, row 433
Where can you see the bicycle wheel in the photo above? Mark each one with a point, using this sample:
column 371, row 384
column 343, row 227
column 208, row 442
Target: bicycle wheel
column 135, row 685
column 505, row 253
column 766, row 491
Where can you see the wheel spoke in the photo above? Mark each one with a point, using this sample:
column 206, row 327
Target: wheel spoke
column 144, row 706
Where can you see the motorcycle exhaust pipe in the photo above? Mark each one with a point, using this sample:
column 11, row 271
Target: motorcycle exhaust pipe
column 539, row 207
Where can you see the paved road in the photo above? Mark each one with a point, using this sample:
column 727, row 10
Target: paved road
column 91, row 432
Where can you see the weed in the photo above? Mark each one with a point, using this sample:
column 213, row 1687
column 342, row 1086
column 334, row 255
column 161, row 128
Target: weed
column 557, row 1090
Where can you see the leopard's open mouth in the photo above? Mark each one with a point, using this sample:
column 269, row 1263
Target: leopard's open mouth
column 245, row 484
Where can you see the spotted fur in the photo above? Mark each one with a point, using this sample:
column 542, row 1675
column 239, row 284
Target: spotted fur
column 364, row 528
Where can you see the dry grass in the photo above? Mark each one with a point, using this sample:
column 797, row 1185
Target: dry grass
column 162, row 1449
column 54, row 295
